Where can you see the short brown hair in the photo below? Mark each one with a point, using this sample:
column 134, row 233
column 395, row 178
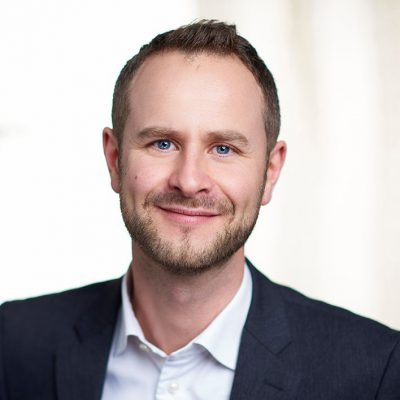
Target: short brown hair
column 205, row 36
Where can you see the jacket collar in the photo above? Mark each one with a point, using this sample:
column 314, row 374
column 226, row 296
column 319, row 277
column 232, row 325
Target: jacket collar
column 267, row 366
column 81, row 360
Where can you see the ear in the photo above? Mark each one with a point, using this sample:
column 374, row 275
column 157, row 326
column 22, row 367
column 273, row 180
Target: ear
column 111, row 151
column 275, row 164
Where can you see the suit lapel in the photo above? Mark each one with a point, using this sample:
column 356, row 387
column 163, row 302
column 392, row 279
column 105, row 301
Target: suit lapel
column 267, row 366
column 81, row 361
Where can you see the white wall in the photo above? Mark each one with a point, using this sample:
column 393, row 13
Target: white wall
column 333, row 228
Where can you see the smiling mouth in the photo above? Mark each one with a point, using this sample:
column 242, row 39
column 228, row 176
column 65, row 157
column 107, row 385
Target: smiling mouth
column 188, row 215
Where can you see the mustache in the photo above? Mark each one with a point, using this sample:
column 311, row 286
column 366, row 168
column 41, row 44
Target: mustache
column 205, row 202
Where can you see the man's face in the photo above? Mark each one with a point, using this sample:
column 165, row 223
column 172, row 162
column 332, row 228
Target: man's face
column 192, row 170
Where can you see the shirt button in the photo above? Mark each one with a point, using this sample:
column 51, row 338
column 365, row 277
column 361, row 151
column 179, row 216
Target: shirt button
column 143, row 347
column 173, row 387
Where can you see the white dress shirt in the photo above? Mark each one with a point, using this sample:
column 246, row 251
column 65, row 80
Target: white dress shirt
column 201, row 370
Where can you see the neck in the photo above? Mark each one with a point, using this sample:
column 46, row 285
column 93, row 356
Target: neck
column 173, row 309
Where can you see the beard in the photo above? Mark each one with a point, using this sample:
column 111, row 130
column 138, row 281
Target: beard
column 183, row 258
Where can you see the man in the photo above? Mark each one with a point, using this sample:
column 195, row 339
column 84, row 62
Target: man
column 193, row 154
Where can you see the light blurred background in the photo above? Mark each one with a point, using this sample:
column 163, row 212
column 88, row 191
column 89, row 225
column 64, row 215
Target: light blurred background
column 332, row 230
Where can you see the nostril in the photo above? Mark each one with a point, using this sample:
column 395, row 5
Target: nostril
column 190, row 179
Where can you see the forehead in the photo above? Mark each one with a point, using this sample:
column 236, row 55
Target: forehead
column 203, row 90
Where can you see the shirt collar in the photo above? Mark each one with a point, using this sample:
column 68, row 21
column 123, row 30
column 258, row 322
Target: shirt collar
column 228, row 325
column 127, row 325
column 222, row 337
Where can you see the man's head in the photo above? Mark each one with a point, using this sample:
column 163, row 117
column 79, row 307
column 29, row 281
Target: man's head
column 208, row 37
column 188, row 151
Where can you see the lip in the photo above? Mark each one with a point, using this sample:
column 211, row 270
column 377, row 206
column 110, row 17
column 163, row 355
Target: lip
column 183, row 215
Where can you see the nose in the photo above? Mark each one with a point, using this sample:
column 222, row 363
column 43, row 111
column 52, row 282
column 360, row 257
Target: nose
column 190, row 175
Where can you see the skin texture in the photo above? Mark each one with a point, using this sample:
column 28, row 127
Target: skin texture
column 192, row 174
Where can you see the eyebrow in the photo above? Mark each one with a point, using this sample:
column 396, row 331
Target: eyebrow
column 225, row 135
column 230, row 136
column 155, row 132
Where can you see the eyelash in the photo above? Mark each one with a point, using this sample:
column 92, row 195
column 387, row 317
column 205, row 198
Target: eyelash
column 156, row 143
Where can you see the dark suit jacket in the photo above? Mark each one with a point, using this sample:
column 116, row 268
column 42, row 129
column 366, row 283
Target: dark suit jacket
column 292, row 347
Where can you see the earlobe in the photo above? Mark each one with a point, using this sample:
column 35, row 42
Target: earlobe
column 111, row 152
column 276, row 161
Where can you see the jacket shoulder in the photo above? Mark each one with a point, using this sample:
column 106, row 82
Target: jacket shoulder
column 337, row 352
column 302, row 310
column 359, row 352
column 53, row 312
column 329, row 318
column 33, row 332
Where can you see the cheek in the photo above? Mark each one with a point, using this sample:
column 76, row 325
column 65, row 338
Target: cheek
column 235, row 185
column 141, row 179
column 243, row 186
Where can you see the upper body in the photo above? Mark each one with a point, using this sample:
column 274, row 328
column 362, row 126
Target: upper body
column 193, row 154
column 292, row 347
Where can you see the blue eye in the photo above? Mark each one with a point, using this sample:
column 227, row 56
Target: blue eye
column 222, row 149
column 163, row 144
